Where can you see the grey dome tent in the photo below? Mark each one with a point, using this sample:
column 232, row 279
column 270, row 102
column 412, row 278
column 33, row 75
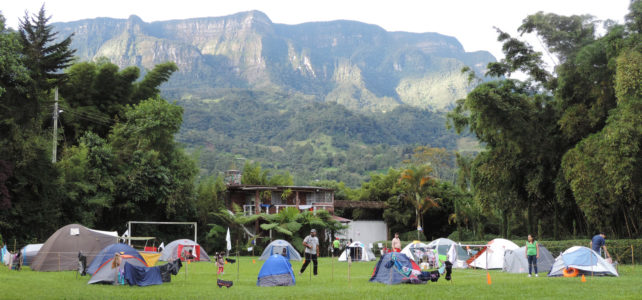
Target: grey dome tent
column 276, row 247
column 515, row 260
column 107, row 274
column 175, row 249
column 60, row 251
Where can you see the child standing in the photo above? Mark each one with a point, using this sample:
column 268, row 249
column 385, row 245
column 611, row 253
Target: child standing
column 220, row 263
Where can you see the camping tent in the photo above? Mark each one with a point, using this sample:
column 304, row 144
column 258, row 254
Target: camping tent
column 276, row 247
column 515, row 260
column 108, row 253
column 60, row 251
column 494, row 252
column 416, row 250
column 583, row 259
column 276, row 271
column 357, row 252
column 394, row 268
column 447, row 248
column 29, row 252
column 150, row 257
column 106, row 274
column 178, row 248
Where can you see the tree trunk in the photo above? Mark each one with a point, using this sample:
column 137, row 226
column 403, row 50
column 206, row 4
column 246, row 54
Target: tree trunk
column 504, row 224
column 555, row 217
column 458, row 221
column 529, row 218
column 418, row 216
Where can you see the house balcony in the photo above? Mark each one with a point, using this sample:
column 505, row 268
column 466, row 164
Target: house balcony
column 274, row 209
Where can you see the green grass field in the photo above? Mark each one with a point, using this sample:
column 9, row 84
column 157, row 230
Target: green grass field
column 200, row 283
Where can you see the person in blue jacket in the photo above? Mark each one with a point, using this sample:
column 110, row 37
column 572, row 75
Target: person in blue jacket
column 598, row 242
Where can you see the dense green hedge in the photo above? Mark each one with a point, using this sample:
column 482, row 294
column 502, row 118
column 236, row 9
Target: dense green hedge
column 620, row 250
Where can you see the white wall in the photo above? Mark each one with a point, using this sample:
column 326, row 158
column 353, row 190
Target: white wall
column 365, row 231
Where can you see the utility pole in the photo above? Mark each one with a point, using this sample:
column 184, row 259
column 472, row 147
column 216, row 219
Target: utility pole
column 55, row 127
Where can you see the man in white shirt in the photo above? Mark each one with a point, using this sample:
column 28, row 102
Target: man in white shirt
column 311, row 244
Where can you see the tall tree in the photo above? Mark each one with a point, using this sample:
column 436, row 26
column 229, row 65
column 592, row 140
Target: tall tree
column 30, row 180
column 604, row 169
column 529, row 126
column 13, row 78
column 43, row 57
column 97, row 93
column 415, row 181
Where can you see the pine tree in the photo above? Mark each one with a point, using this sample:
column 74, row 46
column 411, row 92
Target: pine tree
column 42, row 56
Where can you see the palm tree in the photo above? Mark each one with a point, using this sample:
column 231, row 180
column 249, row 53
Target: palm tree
column 284, row 222
column 295, row 225
column 415, row 180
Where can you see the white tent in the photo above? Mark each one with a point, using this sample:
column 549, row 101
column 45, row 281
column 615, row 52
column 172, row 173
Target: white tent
column 178, row 249
column 515, row 260
column 276, row 247
column 441, row 241
column 583, row 259
column 493, row 253
column 358, row 251
column 454, row 252
column 416, row 250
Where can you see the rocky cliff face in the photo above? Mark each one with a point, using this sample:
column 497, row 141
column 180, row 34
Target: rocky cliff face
column 359, row 65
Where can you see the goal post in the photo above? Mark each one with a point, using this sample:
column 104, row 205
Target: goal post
column 129, row 227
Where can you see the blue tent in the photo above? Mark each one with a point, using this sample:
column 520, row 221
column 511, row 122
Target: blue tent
column 277, row 247
column 108, row 252
column 394, row 268
column 276, row 271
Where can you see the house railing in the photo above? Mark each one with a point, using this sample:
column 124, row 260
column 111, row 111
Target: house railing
column 251, row 209
column 248, row 209
column 314, row 206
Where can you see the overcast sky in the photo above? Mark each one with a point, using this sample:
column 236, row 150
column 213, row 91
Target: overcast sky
column 470, row 21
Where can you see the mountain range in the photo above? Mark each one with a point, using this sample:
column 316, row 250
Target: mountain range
column 361, row 66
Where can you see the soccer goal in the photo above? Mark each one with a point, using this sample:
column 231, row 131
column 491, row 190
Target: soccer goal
column 130, row 232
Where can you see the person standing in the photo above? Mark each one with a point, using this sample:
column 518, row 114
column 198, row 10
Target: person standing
column 396, row 243
column 598, row 242
column 532, row 254
column 336, row 245
column 311, row 244
column 120, row 273
column 220, row 263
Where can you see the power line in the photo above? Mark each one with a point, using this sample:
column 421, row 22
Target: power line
column 89, row 114
column 92, row 117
